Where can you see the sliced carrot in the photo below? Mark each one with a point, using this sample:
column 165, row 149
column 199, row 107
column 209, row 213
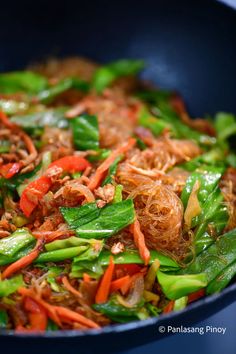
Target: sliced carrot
column 22, row 262
column 69, row 287
column 59, row 313
column 120, row 283
column 102, row 169
column 169, row 307
column 5, row 120
column 196, row 295
column 139, row 241
column 65, row 313
column 105, row 284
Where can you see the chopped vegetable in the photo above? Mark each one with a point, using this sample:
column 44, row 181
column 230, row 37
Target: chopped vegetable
column 92, row 222
column 21, row 81
column 140, row 241
column 115, row 205
column 105, row 75
column 85, row 132
column 102, row 169
column 48, row 95
column 176, row 286
column 105, row 284
column 9, row 286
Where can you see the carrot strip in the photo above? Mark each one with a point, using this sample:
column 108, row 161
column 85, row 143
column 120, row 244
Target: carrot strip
column 169, row 307
column 58, row 312
column 23, row 262
column 69, row 287
column 37, row 315
column 105, row 284
column 73, row 316
column 139, row 241
column 120, row 283
column 49, row 308
column 100, row 172
column 5, row 120
column 196, row 295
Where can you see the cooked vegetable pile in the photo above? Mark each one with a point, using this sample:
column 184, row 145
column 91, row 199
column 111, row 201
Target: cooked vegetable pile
column 115, row 205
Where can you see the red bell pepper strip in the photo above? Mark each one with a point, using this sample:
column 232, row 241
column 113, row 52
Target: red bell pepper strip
column 196, row 295
column 38, row 188
column 33, row 193
column 37, row 315
column 10, row 169
column 71, row 164
column 127, row 269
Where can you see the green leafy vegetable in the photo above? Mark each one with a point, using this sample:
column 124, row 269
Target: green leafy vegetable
column 49, row 117
column 214, row 212
column 180, row 303
column 217, row 262
column 49, row 94
column 75, row 217
column 225, row 124
column 208, row 179
column 95, row 269
column 9, row 286
column 26, row 81
column 177, row 286
column 222, row 279
column 93, row 222
column 152, row 123
column 161, row 107
column 12, row 244
column 215, row 157
column 85, row 132
column 105, row 75
column 119, row 313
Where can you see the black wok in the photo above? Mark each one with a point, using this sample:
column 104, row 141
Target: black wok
column 188, row 45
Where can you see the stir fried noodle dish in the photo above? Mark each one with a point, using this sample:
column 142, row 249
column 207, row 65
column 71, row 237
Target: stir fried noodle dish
column 115, row 205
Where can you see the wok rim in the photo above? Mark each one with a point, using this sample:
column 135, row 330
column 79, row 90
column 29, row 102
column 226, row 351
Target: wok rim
column 121, row 328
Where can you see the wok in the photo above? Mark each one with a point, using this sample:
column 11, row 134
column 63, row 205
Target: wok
column 187, row 45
